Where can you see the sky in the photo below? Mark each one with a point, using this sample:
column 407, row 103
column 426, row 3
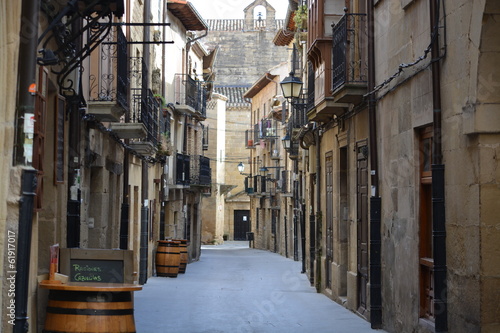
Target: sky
column 233, row 9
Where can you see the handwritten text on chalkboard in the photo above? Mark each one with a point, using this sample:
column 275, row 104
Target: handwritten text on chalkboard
column 110, row 271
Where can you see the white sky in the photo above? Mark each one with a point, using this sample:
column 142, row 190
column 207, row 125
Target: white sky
column 233, row 9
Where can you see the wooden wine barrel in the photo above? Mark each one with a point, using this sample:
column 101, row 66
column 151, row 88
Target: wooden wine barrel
column 184, row 255
column 168, row 258
column 89, row 311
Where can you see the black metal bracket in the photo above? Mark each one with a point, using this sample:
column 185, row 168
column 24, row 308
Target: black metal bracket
column 68, row 24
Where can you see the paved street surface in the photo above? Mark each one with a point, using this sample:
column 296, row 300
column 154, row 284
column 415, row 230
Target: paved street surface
column 235, row 289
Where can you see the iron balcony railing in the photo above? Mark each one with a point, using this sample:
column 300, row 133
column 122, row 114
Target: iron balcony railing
column 274, row 149
column 108, row 76
column 201, row 173
column 299, row 113
column 191, row 92
column 260, row 185
column 285, row 182
column 257, row 135
column 249, row 185
column 311, row 86
column 265, row 129
column 146, row 109
column 349, row 64
column 182, row 174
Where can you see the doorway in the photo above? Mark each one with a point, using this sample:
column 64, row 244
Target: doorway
column 241, row 224
column 362, row 225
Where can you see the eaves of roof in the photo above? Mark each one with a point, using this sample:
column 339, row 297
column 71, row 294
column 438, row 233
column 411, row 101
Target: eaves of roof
column 285, row 35
column 187, row 14
column 259, row 85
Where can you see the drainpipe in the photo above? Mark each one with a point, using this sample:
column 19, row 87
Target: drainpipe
column 375, row 200
column 143, row 252
column 438, row 183
column 125, row 207
column 25, row 104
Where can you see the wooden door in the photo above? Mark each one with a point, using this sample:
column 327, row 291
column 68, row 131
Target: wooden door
column 241, row 224
column 329, row 217
column 362, row 226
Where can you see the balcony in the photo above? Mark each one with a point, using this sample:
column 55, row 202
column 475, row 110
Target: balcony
column 259, row 185
column 190, row 96
column 145, row 124
column 349, row 59
column 200, row 173
column 285, row 183
column 268, row 129
column 249, row 185
column 274, row 149
column 182, row 172
column 108, row 78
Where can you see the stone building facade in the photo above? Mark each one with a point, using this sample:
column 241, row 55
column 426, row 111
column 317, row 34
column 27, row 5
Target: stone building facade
column 245, row 51
column 113, row 142
column 401, row 179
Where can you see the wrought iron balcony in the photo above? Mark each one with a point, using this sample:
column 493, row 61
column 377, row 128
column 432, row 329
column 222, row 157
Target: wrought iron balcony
column 108, row 78
column 285, row 183
column 201, row 173
column 268, row 128
column 259, row 185
column 274, row 149
column 299, row 114
column 249, row 185
column 145, row 122
column 190, row 95
column 182, row 172
column 349, row 58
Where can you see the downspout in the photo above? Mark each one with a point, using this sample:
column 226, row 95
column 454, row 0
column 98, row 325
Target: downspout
column 25, row 104
column 375, row 200
column 438, row 192
column 143, row 253
column 125, row 207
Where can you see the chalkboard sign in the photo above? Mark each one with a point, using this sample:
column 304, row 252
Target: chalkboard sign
column 97, row 265
column 89, row 270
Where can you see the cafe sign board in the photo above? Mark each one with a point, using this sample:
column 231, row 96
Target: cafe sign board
column 97, row 265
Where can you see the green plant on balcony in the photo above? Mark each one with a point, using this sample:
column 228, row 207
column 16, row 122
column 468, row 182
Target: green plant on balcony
column 300, row 18
column 165, row 146
column 161, row 100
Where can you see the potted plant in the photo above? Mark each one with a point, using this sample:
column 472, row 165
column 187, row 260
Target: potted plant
column 300, row 18
column 165, row 146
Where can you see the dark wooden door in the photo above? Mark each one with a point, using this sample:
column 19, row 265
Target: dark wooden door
column 329, row 217
column 362, row 226
column 241, row 224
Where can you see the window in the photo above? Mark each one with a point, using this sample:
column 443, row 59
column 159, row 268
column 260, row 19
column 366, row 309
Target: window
column 426, row 258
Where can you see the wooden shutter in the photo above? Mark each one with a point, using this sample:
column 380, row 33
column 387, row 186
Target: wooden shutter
column 39, row 133
column 59, row 140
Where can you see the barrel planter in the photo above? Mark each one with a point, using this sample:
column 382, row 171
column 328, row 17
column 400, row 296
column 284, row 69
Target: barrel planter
column 184, row 255
column 89, row 311
column 168, row 258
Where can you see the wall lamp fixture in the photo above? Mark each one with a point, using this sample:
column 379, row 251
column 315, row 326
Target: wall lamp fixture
column 241, row 168
column 291, row 86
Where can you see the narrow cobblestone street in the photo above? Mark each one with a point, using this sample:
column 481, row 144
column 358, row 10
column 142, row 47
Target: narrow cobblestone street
column 236, row 289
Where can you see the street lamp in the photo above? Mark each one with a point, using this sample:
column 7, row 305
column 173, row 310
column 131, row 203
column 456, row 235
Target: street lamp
column 241, row 168
column 291, row 86
column 286, row 141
